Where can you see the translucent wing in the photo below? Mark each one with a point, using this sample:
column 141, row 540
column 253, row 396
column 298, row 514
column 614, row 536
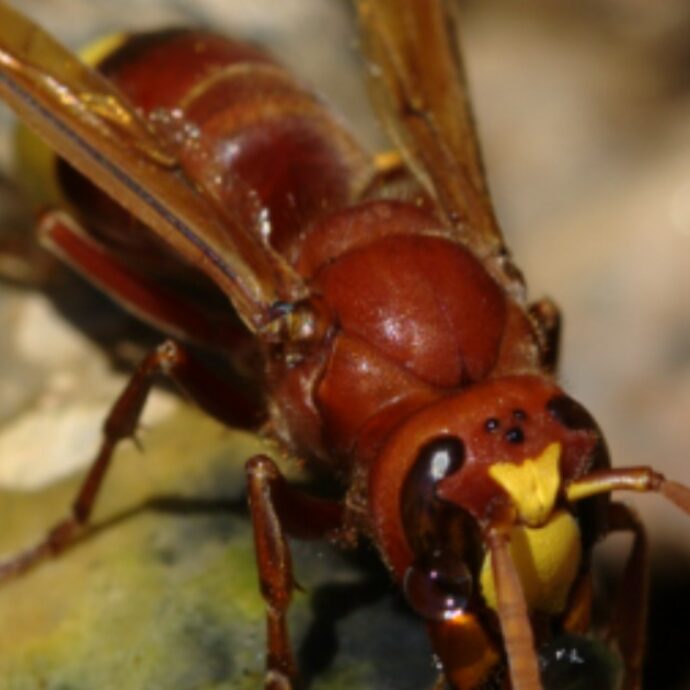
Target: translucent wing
column 418, row 86
column 88, row 122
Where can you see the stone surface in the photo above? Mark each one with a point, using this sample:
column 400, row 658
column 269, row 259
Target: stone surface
column 162, row 592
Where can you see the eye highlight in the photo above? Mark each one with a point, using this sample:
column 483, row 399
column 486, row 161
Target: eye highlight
column 442, row 456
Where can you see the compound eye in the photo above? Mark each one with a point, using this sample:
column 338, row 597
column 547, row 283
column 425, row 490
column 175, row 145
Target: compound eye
column 430, row 523
column 438, row 591
column 586, row 449
column 570, row 413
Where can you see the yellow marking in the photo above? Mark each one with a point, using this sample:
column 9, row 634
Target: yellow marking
column 96, row 51
column 34, row 167
column 34, row 160
column 547, row 560
column 388, row 161
column 533, row 485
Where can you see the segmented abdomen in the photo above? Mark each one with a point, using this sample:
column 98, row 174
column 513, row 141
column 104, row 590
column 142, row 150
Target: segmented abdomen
column 244, row 131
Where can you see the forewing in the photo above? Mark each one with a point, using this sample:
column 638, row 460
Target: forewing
column 418, row 86
column 91, row 124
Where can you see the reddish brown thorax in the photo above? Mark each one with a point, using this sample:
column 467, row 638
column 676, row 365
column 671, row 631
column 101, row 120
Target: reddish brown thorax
column 408, row 316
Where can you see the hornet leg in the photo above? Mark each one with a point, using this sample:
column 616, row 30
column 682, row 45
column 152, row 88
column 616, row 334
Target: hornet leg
column 276, row 510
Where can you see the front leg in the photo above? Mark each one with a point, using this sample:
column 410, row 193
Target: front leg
column 276, row 509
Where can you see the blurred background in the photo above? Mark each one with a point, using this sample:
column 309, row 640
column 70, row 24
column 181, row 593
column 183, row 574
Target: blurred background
column 584, row 115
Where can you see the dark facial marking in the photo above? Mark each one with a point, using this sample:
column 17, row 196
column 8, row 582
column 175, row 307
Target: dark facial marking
column 570, row 413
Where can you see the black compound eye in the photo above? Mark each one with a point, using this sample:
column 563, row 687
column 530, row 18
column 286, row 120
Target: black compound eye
column 438, row 591
column 421, row 511
column 570, row 413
